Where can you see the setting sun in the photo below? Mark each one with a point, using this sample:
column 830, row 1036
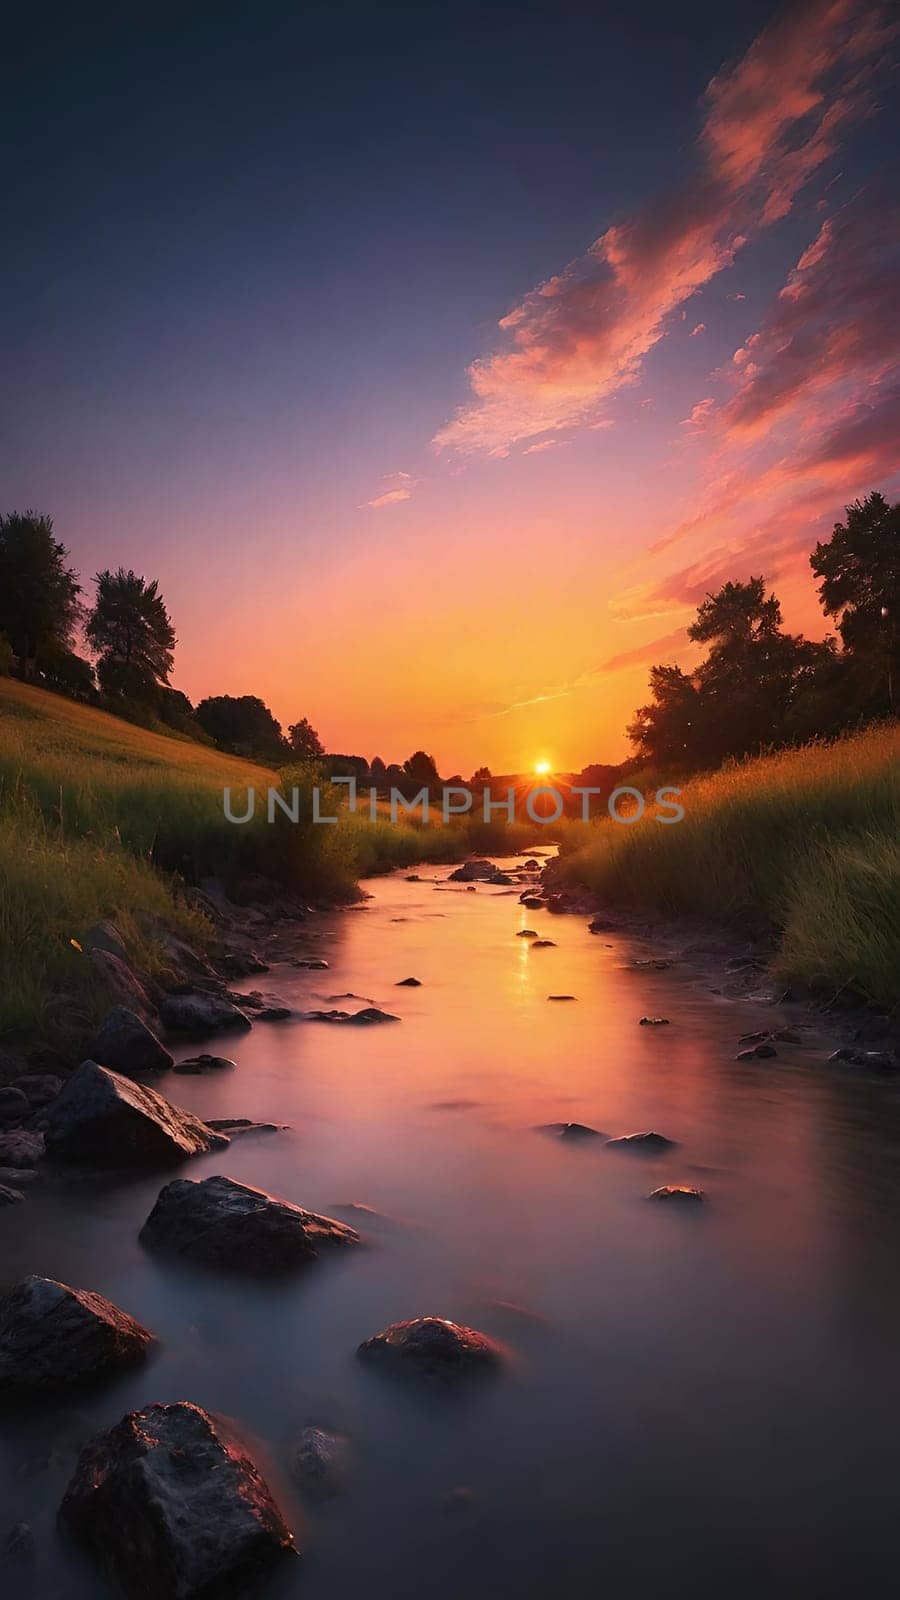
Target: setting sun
column 542, row 768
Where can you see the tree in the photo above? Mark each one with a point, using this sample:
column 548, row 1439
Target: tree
column 130, row 630
column 420, row 772
column 377, row 773
column 242, row 724
column 39, row 605
column 859, row 568
column 480, row 778
column 69, row 673
column 304, row 741
column 670, row 729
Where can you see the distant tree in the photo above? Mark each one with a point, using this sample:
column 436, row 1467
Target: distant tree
column 338, row 766
column 480, row 778
column 859, row 568
column 304, row 741
column 7, row 656
column 242, row 724
column 130, row 630
column 421, row 771
column 377, row 773
column 39, row 604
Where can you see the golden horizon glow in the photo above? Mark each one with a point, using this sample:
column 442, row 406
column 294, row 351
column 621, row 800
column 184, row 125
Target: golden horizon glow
column 542, row 769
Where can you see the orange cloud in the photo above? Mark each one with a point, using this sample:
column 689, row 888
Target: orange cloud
column 769, row 123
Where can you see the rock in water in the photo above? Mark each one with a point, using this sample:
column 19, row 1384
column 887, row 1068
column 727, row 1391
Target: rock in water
column 39, row 1088
column 321, row 1462
column 473, row 871
column 654, row 1022
column 51, row 1335
column 678, row 1194
column 126, row 1044
column 409, row 983
column 195, row 1066
column 173, row 1508
column 433, row 1348
column 642, row 1144
column 105, row 1119
column 10, row 1197
column 201, row 1013
column 228, row 1224
column 571, row 1130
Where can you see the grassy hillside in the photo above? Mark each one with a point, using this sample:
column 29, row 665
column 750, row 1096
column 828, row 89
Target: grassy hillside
column 806, row 840
column 91, row 807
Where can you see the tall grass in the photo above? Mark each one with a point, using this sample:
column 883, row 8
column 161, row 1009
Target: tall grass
column 91, row 807
column 803, row 840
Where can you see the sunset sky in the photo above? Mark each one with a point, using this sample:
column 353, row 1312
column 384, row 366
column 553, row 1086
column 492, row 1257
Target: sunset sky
column 438, row 359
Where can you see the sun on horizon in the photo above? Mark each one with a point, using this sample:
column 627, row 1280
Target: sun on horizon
column 542, row 769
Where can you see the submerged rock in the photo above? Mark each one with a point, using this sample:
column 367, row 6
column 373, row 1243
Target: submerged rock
column 368, row 1015
column 228, row 1224
column 195, row 1066
column 433, row 1347
column 678, row 1194
column 646, row 1144
column 321, row 1462
column 571, row 1130
column 561, row 997
column 313, row 963
column 126, row 1044
column 654, row 1022
column 544, row 944
column 9, row 1196
column 237, row 1125
column 274, row 1014
column 875, row 1060
column 52, row 1335
column 409, row 983
column 527, row 933
column 173, row 1508
column 201, row 1013
column 757, row 1052
column 107, row 1120
column 532, row 902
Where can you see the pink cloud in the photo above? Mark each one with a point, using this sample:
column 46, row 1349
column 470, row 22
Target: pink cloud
column 668, row 645
column 396, row 487
column 770, row 122
column 700, row 328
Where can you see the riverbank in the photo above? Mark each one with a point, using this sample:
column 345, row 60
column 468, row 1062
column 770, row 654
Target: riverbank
column 797, row 851
column 101, row 820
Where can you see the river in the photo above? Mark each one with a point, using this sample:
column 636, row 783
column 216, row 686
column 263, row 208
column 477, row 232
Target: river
column 699, row 1402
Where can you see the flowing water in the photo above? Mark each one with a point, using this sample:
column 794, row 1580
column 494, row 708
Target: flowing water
column 699, row 1403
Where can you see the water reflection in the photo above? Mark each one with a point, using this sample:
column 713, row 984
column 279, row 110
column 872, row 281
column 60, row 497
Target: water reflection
column 700, row 1404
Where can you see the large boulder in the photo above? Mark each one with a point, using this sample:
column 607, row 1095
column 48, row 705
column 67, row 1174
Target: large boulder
column 122, row 981
column 125, row 1043
column 201, row 1014
column 105, row 1119
column 228, row 1224
column 432, row 1347
column 173, row 1507
column 51, row 1336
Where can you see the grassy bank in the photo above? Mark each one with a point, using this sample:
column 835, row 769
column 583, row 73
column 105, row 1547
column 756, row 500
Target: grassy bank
column 805, row 841
column 101, row 818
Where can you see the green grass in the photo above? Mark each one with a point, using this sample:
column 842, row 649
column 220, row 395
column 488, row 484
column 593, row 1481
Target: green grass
column 91, row 807
column 804, row 841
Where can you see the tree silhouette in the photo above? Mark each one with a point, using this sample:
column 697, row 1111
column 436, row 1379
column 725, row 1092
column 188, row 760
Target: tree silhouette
column 304, row 741
column 130, row 629
column 859, row 568
column 39, row 605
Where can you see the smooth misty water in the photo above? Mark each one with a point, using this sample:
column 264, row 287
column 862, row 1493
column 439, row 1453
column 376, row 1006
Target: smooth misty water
column 700, row 1404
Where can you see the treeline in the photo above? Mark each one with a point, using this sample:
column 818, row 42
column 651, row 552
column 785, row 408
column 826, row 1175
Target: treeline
column 762, row 688
column 132, row 641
